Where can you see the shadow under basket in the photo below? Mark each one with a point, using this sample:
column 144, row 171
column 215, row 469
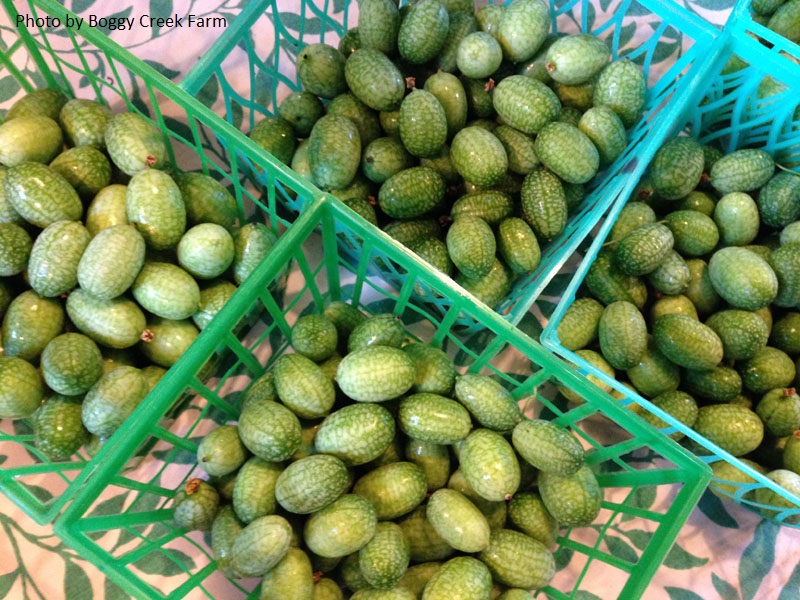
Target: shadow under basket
column 88, row 65
column 727, row 109
column 123, row 519
column 251, row 68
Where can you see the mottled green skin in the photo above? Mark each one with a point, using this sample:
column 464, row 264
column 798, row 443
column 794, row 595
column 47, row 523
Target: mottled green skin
column 701, row 292
column 40, row 195
column 15, row 249
column 458, row 521
column 518, row 245
column 579, row 325
column 490, row 403
column 785, row 334
column 196, row 506
column 111, row 262
column 6, row 295
column 260, row 546
column 30, row 138
column 356, row 434
column 30, row 323
column 436, row 372
column 221, row 452
column 434, row 252
column 548, row 447
column 544, row 204
column 315, row 337
column 71, row 364
column 479, row 55
column 423, row 31
column 251, row 244
column 479, row 99
column 224, row 530
column 107, row 209
column 742, row 278
column 385, row 558
column 779, row 200
column 426, row 544
column 687, row 342
column 112, row 399
column 671, row 277
column 383, row 329
column 7, row 212
column 608, row 283
column 720, row 384
column 56, row 253
column 21, row 388
column 303, row 387
column 433, row 418
column 574, row 59
column 472, row 246
column 134, row 143
column 519, row 148
column 790, row 234
column 679, row 405
column 696, row 200
column 786, row 479
column 291, row 577
column 411, row 193
column 785, row 262
column 374, row 79
column 269, row 430
column 417, row 577
column 432, row 458
column 384, row 157
column 528, row 513
column 522, row 29
column 423, row 124
column 167, row 291
column 409, row 231
column 742, row 171
column 644, row 249
column 518, row 560
column 780, row 411
column 254, row 489
column 378, row 25
column 463, row 577
column 567, row 152
column 622, row 87
column 207, row 250
column 573, row 500
column 334, row 152
column 478, row 156
column 116, row 323
column 655, row 373
column 341, row 528
column 46, row 102
column 770, row 368
column 607, row 132
column 154, row 204
column 490, row 465
column 525, row 104
column 786, row 21
column 58, row 431
column 491, row 288
column 327, row 589
column 320, row 69
column 167, row 340
column 393, row 489
column 301, row 110
column 733, row 428
column 85, row 168
column 694, row 233
column 311, row 483
column 206, row 200
column 489, row 16
column 462, row 23
column 736, row 216
column 84, row 122
column 365, row 118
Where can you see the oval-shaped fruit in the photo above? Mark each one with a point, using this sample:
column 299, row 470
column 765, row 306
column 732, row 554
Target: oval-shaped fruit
column 376, row 374
column 320, row 69
column 548, row 447
column 291, row 577
column 112, row 399
column 411, row 193
column 736, row 429
column 743, row 333
column 385, row 557
column 528, row 513
column 341, row 528
column 374, row 79
column 423, row 124
column 677, row 167
column 56, row 253
column 107, row 209
column 15, row 249
column 433, row 418
column 742, row 171
column 525, row 104
column 687, row 342
column 478, row 55
column 422, row 32
column 251, row 245
column 311, row 483
column 207, row 200
column 41, row 195
column 57, row 427
column 478, row 156
column 30, row 323
column 111, row 262
column 490, row 403
column 393, row 489
column 644, row 249
column 472, row 246
column 334, row 152
column 573, row 500
column 574, row 59
column 490, row 465
column 623, row 334
column 155, row 207
column 276, row 136
column 356, row 434
column 21, row 388
column 167, row 291
column 260, row 546
column 767, row 369
column 165, row 340
column 254, row 489
column 544, row 204
column 116, row 323
column 522, row 29
column 84, row 122
column 71, row 364
column 134, row 143
column 206, row 250
column 196, row 505
column 463, row 577
column 221, row 451
column 621, row 86
column 518, row 560
column 303, row 386
column 458, row 521
column 29, row 138
column 742, row 278
column 269, row 430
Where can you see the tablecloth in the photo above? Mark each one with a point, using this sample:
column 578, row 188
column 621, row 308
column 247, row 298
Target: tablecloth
column 723, row 551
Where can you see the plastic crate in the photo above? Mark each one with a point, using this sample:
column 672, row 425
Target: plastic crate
column 742, row 21
column 122, row 520
column 723, row 110
column 251, row 69
column 88, row 65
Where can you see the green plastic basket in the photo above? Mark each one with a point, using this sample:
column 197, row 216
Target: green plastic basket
column 251, row 69
column 122, row 520
column 88, row 65
column 724, row 110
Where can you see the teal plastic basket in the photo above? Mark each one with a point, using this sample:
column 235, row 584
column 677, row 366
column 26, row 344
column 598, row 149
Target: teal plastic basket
column 724, row 110
column 122, row 520
column 252, row 68
column 743, row 22
column 88, row 65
